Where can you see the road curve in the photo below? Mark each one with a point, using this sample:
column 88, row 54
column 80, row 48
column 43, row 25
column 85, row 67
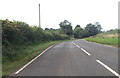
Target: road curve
column 71, row 59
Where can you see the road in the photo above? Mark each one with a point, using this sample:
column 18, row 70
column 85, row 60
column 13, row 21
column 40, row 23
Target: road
column 75, row 58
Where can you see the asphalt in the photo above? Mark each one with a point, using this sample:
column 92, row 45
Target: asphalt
column 66, row 59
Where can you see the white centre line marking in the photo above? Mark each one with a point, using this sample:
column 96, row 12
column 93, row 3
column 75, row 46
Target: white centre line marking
column 108, row 68
column 85, row 52
column 81, row 49
column 111, row 70
column 32, row 60
column 78, row 46
column 73, row 43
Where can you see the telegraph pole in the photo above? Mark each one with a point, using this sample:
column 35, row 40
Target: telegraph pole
column 39, row 16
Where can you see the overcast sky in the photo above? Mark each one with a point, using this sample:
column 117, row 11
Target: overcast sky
column 53, row 12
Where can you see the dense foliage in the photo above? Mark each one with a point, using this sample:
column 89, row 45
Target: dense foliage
column 80, row 32
column 15, row 34
column 89, row 30
column 93, row 29
column 66, row 27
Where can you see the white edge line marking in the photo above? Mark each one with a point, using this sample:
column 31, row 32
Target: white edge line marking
column 85, row 52
column 108, row 46
column 32, row 60
column 101, row 44
column 111, row 70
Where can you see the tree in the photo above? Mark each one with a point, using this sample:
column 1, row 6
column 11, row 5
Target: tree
column 93, row 29
column 80, row 33
column 46, row 28
column 98, row 25
column 77, row 26
column 51, row 29
column 66, row 27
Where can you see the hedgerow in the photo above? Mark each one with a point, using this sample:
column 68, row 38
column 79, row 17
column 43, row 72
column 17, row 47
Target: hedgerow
column 16, row 34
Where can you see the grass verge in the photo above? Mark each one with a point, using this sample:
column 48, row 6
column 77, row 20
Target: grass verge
column 32, row 51
column 107, row 41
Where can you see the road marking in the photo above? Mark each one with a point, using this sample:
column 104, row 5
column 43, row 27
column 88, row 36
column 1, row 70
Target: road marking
column 111, row 70
column 32, row 60
column 81, row 49
column 108, row 46
column 108, row 68
column 76, row 45
column 85, row 52
column 73, row 43
column 101, row 44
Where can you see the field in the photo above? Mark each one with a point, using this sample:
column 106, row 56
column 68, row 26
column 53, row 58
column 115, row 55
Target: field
column 108, row 38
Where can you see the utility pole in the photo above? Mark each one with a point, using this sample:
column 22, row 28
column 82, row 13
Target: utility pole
column 39, row 16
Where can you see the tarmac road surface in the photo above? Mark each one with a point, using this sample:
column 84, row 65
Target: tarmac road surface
column 75, row 58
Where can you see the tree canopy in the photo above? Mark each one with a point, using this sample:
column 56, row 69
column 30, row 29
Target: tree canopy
column 93, row 29
column 66, row 27
column 89, row 30
column 80, row 32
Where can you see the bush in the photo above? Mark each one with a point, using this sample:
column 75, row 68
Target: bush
column 16, row 33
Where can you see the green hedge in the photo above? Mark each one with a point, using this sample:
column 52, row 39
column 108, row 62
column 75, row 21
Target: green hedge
column 16, row 34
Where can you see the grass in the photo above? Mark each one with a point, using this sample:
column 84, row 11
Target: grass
column 109, row 38
column 31, row 52
column 108, row 41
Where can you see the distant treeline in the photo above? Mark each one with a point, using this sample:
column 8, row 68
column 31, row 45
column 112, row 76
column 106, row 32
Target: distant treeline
column 16, row 33
column 78, row 32
column 89, row 30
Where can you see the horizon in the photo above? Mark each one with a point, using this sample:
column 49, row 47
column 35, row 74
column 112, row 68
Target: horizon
column 56, row 28
column 53, row 12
